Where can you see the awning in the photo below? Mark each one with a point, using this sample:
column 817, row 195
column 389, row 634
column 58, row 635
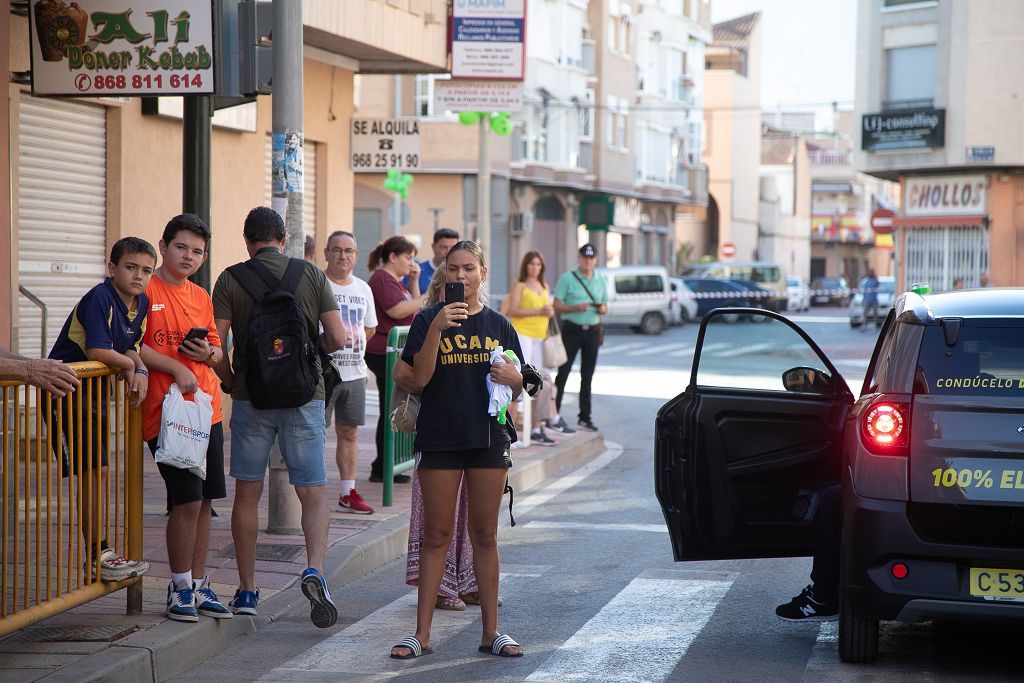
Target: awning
column 937, row 221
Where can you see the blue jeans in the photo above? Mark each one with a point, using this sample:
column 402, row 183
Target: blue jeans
column 299, row 432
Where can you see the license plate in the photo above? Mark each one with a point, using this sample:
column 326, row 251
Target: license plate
column 997, row 584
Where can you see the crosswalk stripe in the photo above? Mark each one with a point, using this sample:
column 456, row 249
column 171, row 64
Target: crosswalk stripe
column 616, row 348
column 654, row 528
column 744, row 350
column 654, row 621
column 685, row 351
column 650, row 350
column 559, row 485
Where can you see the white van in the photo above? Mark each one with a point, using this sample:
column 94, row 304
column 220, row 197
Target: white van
column 639, row 297
column 770, row 276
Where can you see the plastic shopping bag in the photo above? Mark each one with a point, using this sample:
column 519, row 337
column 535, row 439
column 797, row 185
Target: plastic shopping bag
column 185, row 431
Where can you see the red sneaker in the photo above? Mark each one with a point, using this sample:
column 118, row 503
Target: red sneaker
column 354, row 503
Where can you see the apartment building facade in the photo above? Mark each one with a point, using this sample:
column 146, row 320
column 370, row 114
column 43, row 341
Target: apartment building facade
column 939, row 111
column 85, row 172
column 611, row 125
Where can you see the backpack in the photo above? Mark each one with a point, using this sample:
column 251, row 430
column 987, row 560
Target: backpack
column 281, row 358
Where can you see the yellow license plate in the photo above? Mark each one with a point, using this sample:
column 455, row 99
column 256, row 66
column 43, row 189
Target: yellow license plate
column 997, row 584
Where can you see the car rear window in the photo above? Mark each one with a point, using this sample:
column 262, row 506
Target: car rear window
column 987, row 360
column 639, row 284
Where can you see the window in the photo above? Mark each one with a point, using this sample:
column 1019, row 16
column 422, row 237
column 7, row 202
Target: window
column 910, row 76
column 895, row 3
column 425, row 94
column 586, row 114
column 618, row 121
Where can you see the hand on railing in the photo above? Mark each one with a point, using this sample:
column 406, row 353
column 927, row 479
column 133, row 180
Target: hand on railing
column 51, row 375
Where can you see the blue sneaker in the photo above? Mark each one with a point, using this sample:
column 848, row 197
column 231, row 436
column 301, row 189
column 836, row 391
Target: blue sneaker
column 181, row 604
column 245, row 602
column 322, row 611
column 207, row 602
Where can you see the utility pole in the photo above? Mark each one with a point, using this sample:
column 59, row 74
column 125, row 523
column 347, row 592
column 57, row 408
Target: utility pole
column 483, row 189
column 284, row 514
column 437, row 217
column 197, row 135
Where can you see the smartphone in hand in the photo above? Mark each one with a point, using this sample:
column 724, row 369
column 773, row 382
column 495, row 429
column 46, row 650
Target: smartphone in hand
column 453, row 292
column 193, row 334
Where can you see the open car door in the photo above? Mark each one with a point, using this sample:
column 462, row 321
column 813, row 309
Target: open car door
column 742, row 455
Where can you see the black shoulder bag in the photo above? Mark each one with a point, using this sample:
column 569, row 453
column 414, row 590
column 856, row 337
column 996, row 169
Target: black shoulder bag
column 599, row 327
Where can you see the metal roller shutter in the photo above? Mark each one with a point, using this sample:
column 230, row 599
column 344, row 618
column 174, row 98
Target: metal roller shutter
column 939, row 255
column 308, row 184
column 366, row 228
column 61, row 212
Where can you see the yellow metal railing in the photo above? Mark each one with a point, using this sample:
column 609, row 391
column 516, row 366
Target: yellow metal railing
column 45, row 559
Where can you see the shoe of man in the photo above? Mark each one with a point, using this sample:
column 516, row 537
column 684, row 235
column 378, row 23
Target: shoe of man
column 586, row 425
column 399, row 478
column 539, row 438
column 245, row 602
column 207, row 602
column 354, row 503
column 322, row 611
column 560, row 427
column 113, row 567
column 181, row 603
column 809, row 607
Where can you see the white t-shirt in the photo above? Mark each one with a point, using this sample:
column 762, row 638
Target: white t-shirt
column 355, row 301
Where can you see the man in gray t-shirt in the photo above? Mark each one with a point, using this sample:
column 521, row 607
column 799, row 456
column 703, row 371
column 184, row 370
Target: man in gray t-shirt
column 299, row 431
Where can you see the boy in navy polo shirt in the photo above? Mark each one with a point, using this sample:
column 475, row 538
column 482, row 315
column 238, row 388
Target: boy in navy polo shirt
column 106, row 325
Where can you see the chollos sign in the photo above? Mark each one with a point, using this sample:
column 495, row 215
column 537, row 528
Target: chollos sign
column 488, row 39
column 959, row 195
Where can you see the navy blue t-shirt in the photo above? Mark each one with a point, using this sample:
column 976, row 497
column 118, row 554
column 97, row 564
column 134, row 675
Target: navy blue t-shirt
column 453, row 415
column 101, row 321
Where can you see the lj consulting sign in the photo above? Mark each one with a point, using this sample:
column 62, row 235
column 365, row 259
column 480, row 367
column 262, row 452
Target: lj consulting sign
column 903, row 129
column 116, row 48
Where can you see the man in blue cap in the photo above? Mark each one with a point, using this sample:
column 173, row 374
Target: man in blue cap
column 580, row 300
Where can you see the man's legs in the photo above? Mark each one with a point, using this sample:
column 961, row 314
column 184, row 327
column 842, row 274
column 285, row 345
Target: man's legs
column 571, row 339
column 820, row 600
column 378, row 366
column 245, row 529
column 346, row 455
column 588, row 363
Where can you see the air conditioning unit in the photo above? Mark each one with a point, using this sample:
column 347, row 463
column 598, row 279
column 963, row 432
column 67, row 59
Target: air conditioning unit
column 520, row 223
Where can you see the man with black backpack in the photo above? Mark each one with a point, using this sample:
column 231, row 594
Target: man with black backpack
column 272, row 305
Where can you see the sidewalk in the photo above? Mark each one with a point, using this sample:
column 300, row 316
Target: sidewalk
column 98, row 641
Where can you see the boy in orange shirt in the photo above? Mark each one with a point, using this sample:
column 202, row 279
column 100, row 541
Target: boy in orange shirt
column 176, row 307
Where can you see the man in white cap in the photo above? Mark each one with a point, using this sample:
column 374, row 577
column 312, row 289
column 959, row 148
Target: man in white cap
column 580, row 300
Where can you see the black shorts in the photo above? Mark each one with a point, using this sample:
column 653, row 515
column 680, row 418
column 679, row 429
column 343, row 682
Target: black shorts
column 80, row 444
column 184, row 486
column 498, row 455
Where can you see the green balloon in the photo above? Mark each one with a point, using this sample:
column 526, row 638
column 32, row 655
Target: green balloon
column 501, row 125
column 407, row 179
column 469, row 118
column 404, row 192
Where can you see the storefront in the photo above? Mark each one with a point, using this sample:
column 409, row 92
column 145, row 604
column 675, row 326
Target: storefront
column 944, row 232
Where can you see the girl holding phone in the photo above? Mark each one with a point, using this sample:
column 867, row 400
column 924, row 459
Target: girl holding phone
column 447, row 348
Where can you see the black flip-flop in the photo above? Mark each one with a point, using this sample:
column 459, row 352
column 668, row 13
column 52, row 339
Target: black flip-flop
column 498, row 645
column 413, row 643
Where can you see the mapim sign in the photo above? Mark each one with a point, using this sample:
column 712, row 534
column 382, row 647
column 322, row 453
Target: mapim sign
column 488, row 39
column 116, row 48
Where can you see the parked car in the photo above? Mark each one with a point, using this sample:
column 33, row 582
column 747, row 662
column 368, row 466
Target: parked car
column 768, row 275
column 684, row 304
column 927, row 458
column 798, row 294
column 762, row 298
column 639, row 297
column 715, row 293
column 830, row 291
column 886, row 289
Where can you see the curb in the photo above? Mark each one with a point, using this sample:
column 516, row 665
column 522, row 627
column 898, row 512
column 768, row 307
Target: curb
column 169, row 648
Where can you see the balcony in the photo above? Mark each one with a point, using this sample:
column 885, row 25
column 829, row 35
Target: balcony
column 829, row 157
column 694, row 180
column 586, row 156
column 589, row 52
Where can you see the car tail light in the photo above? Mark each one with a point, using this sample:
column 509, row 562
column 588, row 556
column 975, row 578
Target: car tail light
column 885, row 427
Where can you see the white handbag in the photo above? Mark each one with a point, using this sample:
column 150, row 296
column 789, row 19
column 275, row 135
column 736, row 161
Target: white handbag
column 554, row 350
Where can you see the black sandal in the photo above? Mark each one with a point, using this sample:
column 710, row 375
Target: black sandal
column 498, row 645
column 413, row 643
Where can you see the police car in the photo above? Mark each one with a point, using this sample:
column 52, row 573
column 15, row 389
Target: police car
column 930, row 456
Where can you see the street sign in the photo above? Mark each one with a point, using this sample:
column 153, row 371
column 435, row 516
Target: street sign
column 464, row 95
column 728, row 250
column 488, row 39
column 882, row 221
column 379, row 145
column 115, row 48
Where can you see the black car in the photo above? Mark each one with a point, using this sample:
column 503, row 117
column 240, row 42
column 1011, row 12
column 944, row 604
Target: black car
column 714, row 293
column 930, row 458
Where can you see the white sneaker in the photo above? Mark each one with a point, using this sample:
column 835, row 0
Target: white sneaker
column 113, row 567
